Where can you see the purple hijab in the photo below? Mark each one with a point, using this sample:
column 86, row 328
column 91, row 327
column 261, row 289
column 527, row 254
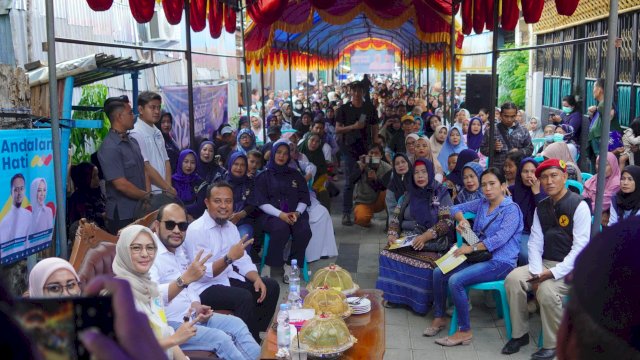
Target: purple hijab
column 474, row 141
column 183, row 183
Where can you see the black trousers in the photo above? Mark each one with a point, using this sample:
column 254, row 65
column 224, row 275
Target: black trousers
column 241, row 298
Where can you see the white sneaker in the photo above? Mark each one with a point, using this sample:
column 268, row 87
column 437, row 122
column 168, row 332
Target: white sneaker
column 266, row 271
column 287, row 273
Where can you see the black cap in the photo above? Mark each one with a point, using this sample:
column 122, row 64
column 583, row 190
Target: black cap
column 273, row 130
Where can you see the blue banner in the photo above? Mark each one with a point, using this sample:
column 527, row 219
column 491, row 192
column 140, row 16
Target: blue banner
column 28, row 206
column 372, row 62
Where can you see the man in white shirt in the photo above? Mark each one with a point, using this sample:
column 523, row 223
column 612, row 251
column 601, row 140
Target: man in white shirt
column 149, row 137
column 231, row 280
column 15, row 224
column 226, row 335
column 561, row 229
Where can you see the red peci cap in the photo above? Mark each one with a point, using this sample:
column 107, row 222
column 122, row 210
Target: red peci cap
column 551, row 163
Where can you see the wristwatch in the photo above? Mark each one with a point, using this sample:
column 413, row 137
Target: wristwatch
column 228, row 260
column 474, row 247
column 181, row 284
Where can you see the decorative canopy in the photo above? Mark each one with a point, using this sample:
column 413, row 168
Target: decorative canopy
column 215, row 12
column 325, row 26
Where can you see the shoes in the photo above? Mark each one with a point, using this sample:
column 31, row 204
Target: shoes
column 446, row 341
column 266, row 271
column 514, row 345
column 287, row 273
column 389, row 305
column 432, row 331
column 544, row 354
column 346, row 220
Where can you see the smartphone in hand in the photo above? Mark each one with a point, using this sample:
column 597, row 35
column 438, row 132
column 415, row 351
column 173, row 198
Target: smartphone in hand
column 54, row 323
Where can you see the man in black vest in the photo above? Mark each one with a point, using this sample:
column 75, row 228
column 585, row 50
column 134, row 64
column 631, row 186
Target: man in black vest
column 561, row 229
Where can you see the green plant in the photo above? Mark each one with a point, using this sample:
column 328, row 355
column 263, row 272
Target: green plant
column 513, row 68
column 87, row 141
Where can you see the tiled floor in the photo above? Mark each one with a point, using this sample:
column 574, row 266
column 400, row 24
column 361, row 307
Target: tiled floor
column 358, row 252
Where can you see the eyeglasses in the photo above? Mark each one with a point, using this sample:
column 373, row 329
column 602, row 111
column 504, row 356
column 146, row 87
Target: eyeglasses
column 72, row 287
column 170, row 225
column 137, row 249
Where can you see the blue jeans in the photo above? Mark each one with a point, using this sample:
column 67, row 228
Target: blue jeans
column 227, row 335
column 350, row 166
column 457, row 279
column 523, row 256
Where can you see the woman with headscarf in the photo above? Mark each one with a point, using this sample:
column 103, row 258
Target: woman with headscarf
column 471, row 173
column 438, row 139
column 560, row 151
column 475, row 135
column 410, row 146
column 567, row 136
column 244, row 123
column 246, row 140
column 135, row 253
column 311, row 147
column 304, row 123
column 431, row 124
column 257, row 128
column 243, row 195
column 453, row 144
column 173, row 150
column 87, row 200
column 611, row 185
column 400, row 176
column 626, row 202
column 406, row 273
column 535, row 130
column 465, row 156
column 41, row 229
column 54, row 277
column 189, row 184
column 323, row 239
column 526, row 192
column 208, row 168
column 283, row 195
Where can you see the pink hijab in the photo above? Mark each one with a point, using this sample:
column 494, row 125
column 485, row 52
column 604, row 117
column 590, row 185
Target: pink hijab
column 611, row 185
column 41, row 272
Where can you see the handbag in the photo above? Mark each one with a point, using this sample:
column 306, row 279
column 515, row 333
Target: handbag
column 441, row 244
column 481, row 255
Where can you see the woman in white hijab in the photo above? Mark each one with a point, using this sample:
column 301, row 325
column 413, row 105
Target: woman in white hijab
column 41, row 215
column 135, row 253
column 53, row 277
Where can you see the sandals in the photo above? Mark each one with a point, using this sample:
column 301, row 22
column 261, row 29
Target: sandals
column 432, row 331
column 446, row 341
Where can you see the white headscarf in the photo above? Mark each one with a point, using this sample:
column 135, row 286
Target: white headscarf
column 143, row 288
column 41, row 272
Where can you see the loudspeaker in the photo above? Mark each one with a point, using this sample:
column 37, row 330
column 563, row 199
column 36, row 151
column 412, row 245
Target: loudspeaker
column 478, row 92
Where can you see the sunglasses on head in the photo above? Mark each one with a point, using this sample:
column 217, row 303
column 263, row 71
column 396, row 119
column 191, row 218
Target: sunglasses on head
column 170, row 225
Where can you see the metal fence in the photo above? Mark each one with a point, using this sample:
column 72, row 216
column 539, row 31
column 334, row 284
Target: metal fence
column 573, row 69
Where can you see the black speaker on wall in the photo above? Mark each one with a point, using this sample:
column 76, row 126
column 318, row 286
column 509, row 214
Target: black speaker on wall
column 478, row 92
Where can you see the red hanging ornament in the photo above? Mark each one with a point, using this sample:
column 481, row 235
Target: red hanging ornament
column 229, row 19
column 100, row 5
column 215, row 18
column 198, row 12
column 173, row 11
column 566, row 7
column 488, row 16
column 142, row 10
column 467, row 17
column 532, row 10
column 510, row 14
column 266, row 12
column 478, row 16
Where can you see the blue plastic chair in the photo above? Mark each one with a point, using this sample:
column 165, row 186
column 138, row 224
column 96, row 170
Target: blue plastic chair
column 586, row 176
column 576, row 184
column 500, row 294
column 265, row 248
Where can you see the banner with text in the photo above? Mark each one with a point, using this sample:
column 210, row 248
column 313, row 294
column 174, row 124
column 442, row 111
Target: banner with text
column 28, row 206
column 372, row 62
column 210, row 110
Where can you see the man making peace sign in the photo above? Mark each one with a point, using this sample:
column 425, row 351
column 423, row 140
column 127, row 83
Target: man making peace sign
column 173, row 273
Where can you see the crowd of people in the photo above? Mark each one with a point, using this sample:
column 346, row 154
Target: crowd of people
column 394, row 150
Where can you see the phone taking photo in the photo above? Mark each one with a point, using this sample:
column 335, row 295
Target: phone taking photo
column 54, row 323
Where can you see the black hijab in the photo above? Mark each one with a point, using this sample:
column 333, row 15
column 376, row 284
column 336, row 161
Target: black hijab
column 421, row 198
column 465, row 156
column 630, row 201
column 398, row 184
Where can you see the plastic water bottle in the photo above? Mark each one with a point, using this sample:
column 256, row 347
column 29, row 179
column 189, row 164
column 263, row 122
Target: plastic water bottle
column 294, row 300
column 283, row 331
column 294, row 278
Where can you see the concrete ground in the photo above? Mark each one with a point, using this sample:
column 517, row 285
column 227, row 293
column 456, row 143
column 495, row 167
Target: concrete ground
column 358, row 250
